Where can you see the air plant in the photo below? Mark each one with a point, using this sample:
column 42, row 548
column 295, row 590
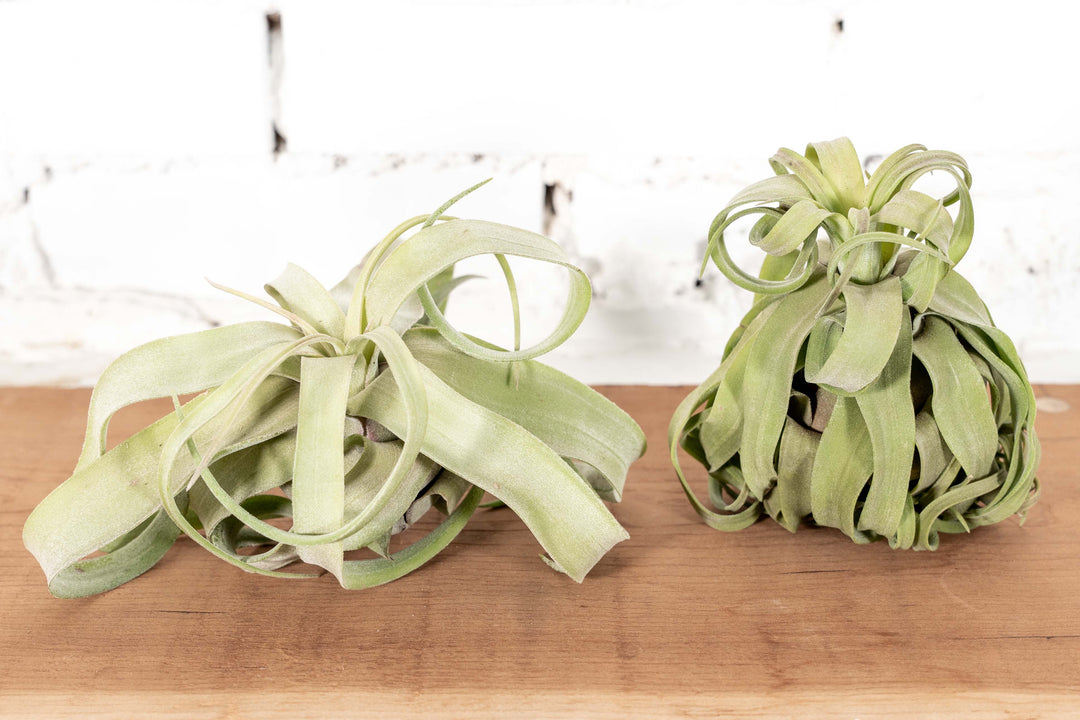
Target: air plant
column 334, row 432
column 867, row 389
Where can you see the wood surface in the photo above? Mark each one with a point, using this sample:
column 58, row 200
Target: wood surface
column 679, row 621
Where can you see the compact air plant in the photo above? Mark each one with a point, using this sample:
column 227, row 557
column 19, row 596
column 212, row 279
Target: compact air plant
column 353, row 420
column 867, row 389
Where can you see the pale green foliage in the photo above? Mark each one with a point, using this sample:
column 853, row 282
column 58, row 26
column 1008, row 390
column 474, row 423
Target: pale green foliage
column 367, row 410
column 867, row 389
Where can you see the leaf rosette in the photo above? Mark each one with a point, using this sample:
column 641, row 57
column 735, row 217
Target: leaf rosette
column 867, row 389
column 332, row 433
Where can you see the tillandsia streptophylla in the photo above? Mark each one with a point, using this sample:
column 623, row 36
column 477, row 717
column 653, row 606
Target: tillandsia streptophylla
column 365, row 411
column 867, row 389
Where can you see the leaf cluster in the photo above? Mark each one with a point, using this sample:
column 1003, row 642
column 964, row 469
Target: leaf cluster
column 867, row 389
column 332, row 433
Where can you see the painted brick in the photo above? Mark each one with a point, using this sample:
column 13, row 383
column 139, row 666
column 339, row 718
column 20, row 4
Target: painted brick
column 167, row 227
column 141, row 79
column 547, row 77
column 67, row 337
column 921, row 72
column 22, row 264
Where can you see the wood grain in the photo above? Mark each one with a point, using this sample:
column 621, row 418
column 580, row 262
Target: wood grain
column 678, row 621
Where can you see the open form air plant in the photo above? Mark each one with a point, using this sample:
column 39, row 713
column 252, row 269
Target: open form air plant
column 367, row 410
column 867, row 388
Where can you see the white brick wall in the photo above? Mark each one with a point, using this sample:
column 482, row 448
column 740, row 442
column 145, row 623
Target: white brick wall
column 631, row 77
column 138, row 79
column 137, row 155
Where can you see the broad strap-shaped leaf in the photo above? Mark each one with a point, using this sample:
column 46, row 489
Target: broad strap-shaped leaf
column 126, row 562
column 843, row 464
column 790, row 500
column 318, row 488
column 873, row 316
column 679, row 432
column 558, row 506
column 368, row 476
column 721, row 430
column 570, row 417
column 175, row 365
column 964, row 228
column 769, row 370
column 791, row 231
column 934, row 454
column 840, row 165
column 722, row 423
column 114, row 494
column 921, row 213
column 956, row 298
column 783, row 189
column 821, row 190
column 886, row 409
column 298, row 292
column 920, row 280
column 221, row 407
column 1022, row 454
column 423, row 255
column 960, row 404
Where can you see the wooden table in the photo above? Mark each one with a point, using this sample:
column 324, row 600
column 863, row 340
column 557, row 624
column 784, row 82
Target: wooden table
column 678, row 621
